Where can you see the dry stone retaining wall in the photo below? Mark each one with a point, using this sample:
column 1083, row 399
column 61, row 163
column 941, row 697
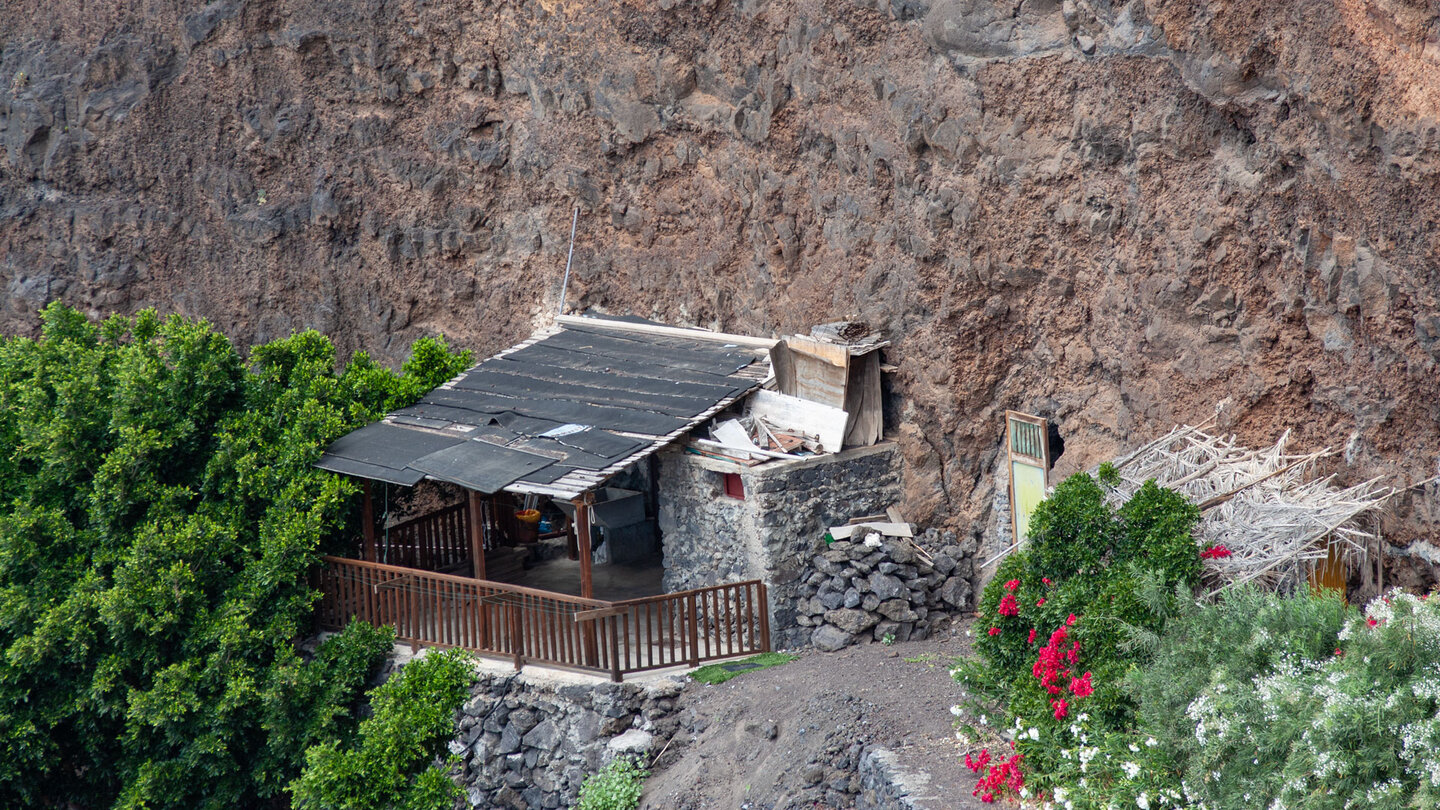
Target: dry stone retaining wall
column 527, row 741
column 885, row 588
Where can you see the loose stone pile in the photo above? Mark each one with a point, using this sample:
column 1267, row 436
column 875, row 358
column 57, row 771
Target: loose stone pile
column 885, row 589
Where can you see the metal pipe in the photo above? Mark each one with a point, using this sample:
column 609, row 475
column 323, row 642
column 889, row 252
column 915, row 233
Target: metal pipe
column 565, row 285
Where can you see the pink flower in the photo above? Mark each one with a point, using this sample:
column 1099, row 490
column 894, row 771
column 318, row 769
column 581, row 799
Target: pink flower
column 994, row 631
column 1012, row 585
column 1032, row 635
column 1215, row 552
column 1008, row 606
column 1045, row 580
column 1070, row 620
column 1080, row 687
column 1041, row 602
column 1060, row 706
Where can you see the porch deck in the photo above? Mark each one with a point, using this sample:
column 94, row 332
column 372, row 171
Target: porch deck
column 530, row 625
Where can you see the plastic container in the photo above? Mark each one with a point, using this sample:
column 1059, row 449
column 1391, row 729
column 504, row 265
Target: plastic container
column 528, row 525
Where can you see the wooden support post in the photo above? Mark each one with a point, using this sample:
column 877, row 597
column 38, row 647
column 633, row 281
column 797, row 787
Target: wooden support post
column 582, row 532
column 587, row 588
column 367, row 521
column 477, row 535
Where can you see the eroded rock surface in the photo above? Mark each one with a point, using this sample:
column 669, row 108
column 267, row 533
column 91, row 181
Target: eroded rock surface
column 1118, row 214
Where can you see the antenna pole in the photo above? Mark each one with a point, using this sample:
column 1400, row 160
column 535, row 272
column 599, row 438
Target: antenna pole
column 565, row 285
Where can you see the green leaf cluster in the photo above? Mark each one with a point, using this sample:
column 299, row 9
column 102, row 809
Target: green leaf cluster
column 159, row 516
column 391, row 764
column 616, row 786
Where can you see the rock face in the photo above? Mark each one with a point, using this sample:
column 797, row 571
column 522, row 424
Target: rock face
column 1117, row 214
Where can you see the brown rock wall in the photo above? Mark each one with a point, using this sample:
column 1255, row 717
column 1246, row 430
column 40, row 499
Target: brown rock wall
column 1119, row 214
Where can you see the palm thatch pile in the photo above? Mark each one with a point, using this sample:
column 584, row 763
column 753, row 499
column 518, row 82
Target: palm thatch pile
column 1267, row 507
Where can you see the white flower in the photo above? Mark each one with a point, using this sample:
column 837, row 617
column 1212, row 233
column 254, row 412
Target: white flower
column 1059, row 794
column 984, row 721
column 1142, row 801
column 1034, row 733
column 1131, row 769
column 955, row 710
column 1151, row 743
column 1134, row 749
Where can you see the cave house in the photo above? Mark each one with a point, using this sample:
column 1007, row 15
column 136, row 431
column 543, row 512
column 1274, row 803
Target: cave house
column 614, row 496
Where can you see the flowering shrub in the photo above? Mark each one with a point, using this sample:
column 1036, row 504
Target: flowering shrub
column 1059, row 615
column 1321, row 731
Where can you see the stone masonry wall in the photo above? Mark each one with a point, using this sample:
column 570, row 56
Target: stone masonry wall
column 527, row 740
column 775, row 531
column 874, row 588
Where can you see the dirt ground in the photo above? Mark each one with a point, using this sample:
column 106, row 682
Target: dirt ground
column 787, row 737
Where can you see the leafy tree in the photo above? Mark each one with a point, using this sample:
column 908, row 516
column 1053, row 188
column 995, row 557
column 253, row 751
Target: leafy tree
column 159, row 514
column 390, row 766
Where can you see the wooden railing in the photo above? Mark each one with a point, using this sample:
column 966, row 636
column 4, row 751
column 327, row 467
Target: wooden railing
column 430, row 542
column 525, row 624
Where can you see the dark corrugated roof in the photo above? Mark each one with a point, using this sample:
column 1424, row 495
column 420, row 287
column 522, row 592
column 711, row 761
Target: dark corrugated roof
column 605, row 398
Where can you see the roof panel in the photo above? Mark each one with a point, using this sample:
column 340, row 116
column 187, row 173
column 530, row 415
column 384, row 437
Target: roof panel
column 602, row 384
column 480, row 466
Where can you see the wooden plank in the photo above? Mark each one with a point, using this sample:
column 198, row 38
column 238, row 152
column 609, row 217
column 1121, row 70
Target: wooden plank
column 885, row 530
column 863, row 402
column 831, row 353
column 823, row 421
column 667, row 331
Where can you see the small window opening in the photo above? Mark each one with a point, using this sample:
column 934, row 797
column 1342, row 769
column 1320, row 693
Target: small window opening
column 734, row 487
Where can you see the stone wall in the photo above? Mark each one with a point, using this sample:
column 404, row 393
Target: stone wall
column 885, row 587
column 772, row 533
column 527, row 740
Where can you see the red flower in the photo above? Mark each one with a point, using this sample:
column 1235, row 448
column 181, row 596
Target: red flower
column 1004, row 774
column 1215, row 552
column 978, row 762
column 1012, row 585
column 1008, row 606
column 1371, row 622
column 1070, row 620
column 1045, row 580
column 1339, row 652
column 1032, row 635
column 1080, row 687
column 994, row 631
column 1041, row 602
column 1060, row 707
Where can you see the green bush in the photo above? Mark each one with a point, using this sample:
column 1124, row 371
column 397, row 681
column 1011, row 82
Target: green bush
column 616, row 786
column 391, row 764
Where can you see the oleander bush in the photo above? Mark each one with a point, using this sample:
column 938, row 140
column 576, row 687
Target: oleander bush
column 1060, row 619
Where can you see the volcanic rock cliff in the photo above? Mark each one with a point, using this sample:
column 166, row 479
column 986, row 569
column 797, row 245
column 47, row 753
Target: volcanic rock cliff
column 1118, row 214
